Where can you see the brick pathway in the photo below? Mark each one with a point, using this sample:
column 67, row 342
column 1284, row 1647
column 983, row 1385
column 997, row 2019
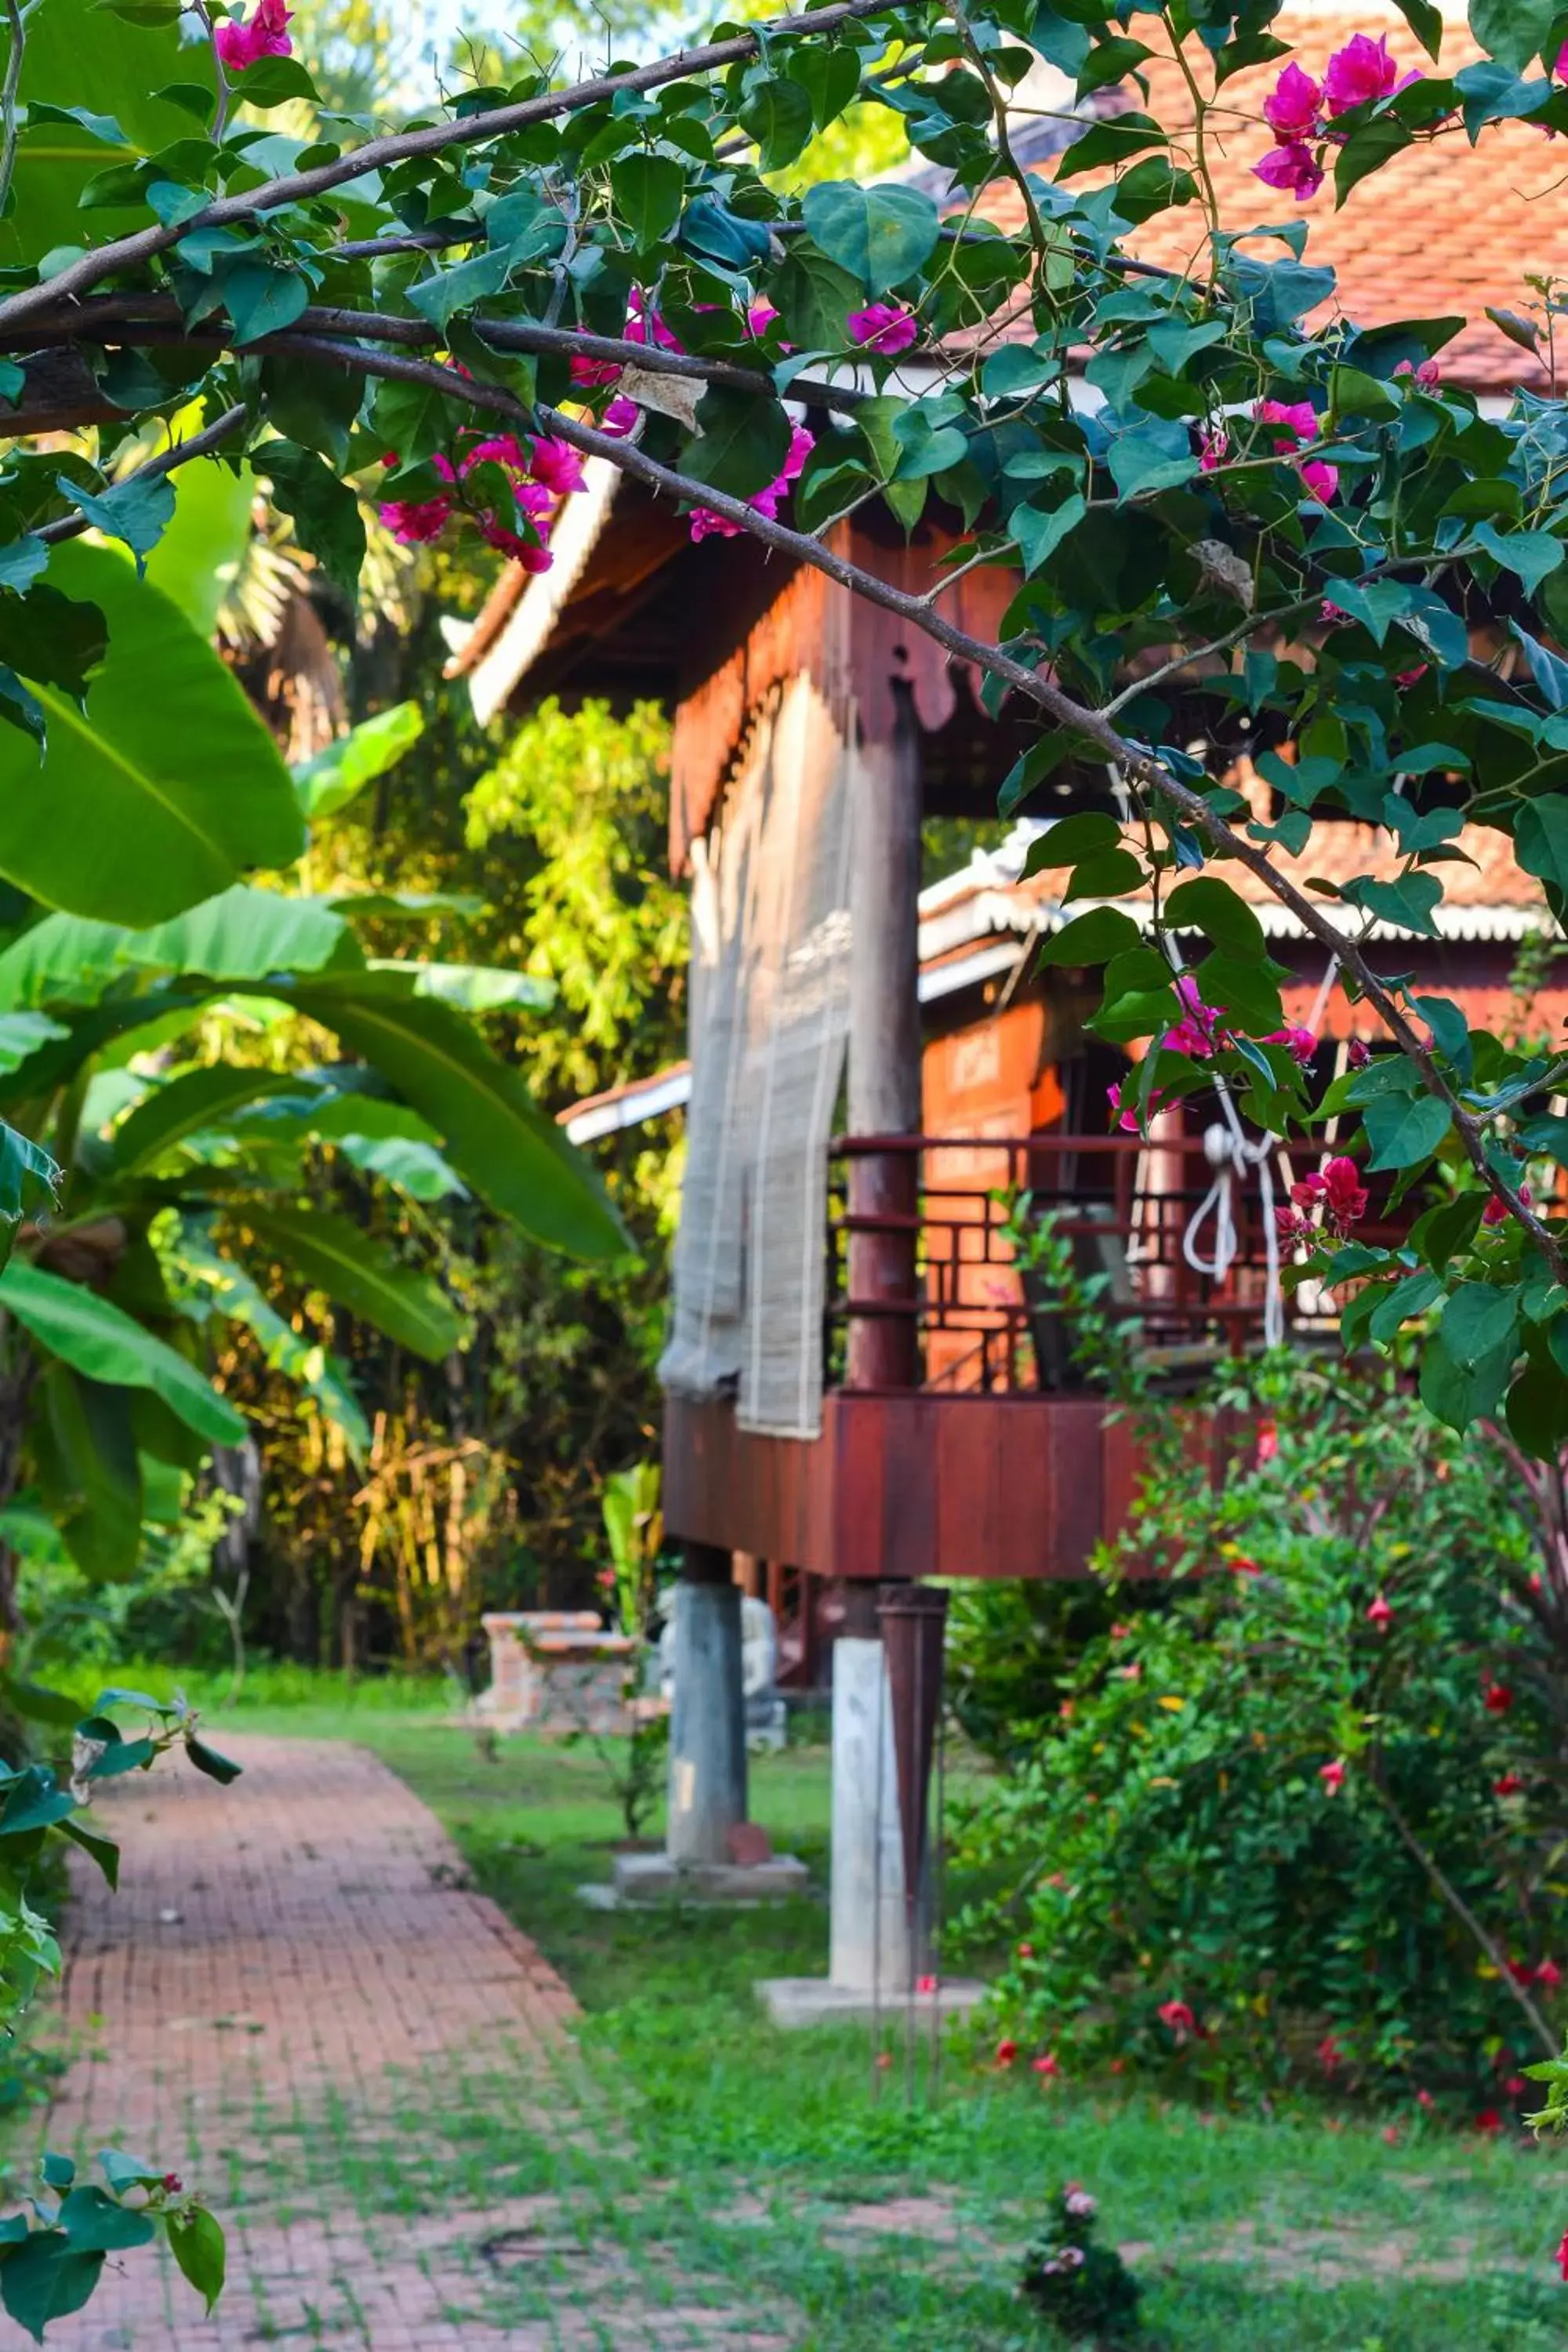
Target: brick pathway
column 291, row 1962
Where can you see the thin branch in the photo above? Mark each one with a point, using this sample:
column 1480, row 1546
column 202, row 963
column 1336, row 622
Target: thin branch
column 430, row 138
column 201, row 445
column 8, row 90
column 1462, row 1911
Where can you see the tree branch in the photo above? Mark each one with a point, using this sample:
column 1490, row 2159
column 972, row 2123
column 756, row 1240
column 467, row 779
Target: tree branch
column 430, row 138
column 201, row 445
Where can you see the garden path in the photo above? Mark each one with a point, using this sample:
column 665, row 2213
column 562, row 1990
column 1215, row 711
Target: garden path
column 293, row 1986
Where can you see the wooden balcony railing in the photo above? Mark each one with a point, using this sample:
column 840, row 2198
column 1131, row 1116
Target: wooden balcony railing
column 974, row 1320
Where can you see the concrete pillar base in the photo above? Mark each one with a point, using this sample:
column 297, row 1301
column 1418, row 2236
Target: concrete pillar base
column 707, row 1725
column 872, row 1945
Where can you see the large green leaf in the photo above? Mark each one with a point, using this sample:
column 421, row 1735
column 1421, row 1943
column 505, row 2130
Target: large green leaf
column 89, row 1472
column 330, row 781
column 880, row 235
column 515, row 1157
column 196, row 561
column 234, row 1296
column 163, row 790
column 335, row 1255
column 244, row 933
column 187, row 1105
column 78, row 54
column 101, row 1341
column 65, row 958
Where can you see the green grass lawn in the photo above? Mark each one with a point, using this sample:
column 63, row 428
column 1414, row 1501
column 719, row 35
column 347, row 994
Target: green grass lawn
column 790, row 2170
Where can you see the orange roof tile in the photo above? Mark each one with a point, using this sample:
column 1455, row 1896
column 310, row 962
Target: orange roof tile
column 1442, row 230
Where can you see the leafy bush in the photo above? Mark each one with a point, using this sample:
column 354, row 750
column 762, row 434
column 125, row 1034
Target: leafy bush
column 1086, row 2291
column 1299, row 1811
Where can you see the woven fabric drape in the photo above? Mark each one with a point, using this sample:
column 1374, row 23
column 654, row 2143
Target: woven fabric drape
column 770, row 985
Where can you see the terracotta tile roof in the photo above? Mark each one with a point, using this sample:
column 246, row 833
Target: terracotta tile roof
column 1442, row 230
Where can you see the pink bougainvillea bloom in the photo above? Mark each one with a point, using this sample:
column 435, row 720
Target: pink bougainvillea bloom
column 1119, row 1632
column 1322, row 479
column 1299, row 1043
column 1132, row 1674
column 1411, row 676
column 1005, row 2052
column 558, row 466
column 1331, row 612
column 1508, row 1786
column 887, row 328
column 1357, row 1055
column 1025, row 1951
column 172, row 2183
column 759, row 317
column 1516, row 2086
column 1178, row 2018
column 240, row 42
column 1362, row 70
column 644, row 324
column 1332, row 1777
column 1390, row 2134
column 529, row 552
column 1428, row 375
column 1292, row 107
column 1489, row 2120
column 1214, row 447
column 1338, row 1187
column 1047, row 2065
column 589, row 374
column 1562, row 2249
column 1293, row 171
column 1499, row 1698
column 1196, row 1032
column 925, row 1984
column 1296, row 419
column 1549, row 1974
column 1496, row 1213
column 1425, row 2099
column 1520, row 1972
column 621, row 417
column 1380, row 1614
column 414, row 521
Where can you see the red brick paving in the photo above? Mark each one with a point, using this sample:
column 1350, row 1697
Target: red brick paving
column 277, row 1946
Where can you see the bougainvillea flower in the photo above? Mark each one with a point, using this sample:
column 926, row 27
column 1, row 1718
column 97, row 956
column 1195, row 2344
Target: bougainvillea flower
column 1499, row 1698
column 558, row 466
column 1548, row 1974
column 1005, row 2052
column 1428, row 375
column 620, row 419
column 1047, row 2065
column 1292, row 1226
column 589, row 374
column 1339, row 1188
column 644, row 324
column 1390, row 2134
column 1380, row 1614
column 241, row 41
column 1362, row 70
column 1425, row 2099
column 1357, row 1055
column 1214, row 447
column 530, row 553
column 888, row 327
column 1299, row 1044
column 1332, row 1777
column 1178, row 2018
column 1333, row 614
column 1078, row 2202
column 1496, row 1213
column 414, row 521
column 706, row 524
column 1508, row 1786
column 1292, row 107
column 1293, row 171
column 1322, row 479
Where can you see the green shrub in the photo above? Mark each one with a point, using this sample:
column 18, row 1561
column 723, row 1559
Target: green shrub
column 1087, row 2292
column 1300, row 1812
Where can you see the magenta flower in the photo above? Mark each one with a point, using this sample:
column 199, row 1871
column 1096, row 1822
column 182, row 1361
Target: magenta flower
column 1339, row 1188
column 1560, row 70
column 1496, row 1213
column 1549, row 1974
column 1296, row 418
column 1214, row 447
column 1322, row 479
column 620, row 419
column 706, row 524
column 1428, row 375
column 1196, row 1032
column 644, row 324
column 1293, row 169
column 1380, row 1614
column 1299, row 1043
column 529, row 552
column 413, row 523
column 1362, row 70
column 1178, row 2016
column 503, row 450
column 1293, row 106
column 1357, row 1055
column 759, row 317
column 558, row 466
column 885, row 327
column 589, row 374
column 1332, row 1777
column 240, row 41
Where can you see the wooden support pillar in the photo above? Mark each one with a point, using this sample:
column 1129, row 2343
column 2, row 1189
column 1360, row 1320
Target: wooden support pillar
column 885, row 1053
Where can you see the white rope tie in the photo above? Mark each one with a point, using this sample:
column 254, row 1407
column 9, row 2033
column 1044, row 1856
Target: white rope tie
column 1230, row 1155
